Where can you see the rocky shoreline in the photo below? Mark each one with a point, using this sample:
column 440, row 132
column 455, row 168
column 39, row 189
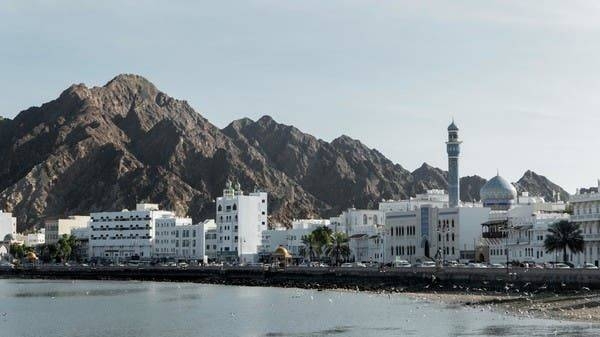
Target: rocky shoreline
column 579, row 306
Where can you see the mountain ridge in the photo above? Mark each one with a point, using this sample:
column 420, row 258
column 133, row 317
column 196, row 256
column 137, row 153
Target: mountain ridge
column 107, row 147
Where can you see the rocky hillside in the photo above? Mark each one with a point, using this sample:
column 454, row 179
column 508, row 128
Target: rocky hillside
column 539, row 185
column 105, row 148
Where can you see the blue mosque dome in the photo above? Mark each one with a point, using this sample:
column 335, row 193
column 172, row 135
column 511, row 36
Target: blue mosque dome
column 498, row 193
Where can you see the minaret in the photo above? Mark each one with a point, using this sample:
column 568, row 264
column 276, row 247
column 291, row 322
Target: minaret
column 453, row 149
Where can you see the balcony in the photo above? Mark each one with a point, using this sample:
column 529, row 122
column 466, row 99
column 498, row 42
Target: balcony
column 591, row 237
column 493, row 235
column 586, row 217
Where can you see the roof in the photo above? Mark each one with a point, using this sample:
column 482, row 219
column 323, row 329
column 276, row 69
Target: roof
column 452, row 127
column 498, row 188
column 282, row 251
column 356, row 236
column 494, row 222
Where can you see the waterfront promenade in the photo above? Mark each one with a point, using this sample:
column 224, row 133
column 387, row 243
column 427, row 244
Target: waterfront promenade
column 390, row 279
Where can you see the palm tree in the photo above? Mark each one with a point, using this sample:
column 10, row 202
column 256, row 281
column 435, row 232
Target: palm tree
column 321, row 238
column 563, row 235
column 338, row 247
column 309, row 246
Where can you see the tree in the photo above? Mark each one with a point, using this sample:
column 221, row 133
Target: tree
column 309, row 249
column 65, row 246
column 17, row 250
column 48, row 252
column 338, row 247
column 563, row 235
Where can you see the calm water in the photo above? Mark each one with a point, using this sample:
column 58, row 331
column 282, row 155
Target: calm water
column 124, row 309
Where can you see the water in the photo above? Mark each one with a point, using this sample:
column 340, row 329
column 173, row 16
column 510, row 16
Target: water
column 34, row 308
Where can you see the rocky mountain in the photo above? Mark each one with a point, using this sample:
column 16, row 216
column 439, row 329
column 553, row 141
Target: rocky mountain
column 106, row 148
column 539, row 185
column 429, row 177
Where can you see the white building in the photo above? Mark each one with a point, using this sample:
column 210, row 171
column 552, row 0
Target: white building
column 434, row 198
column 364, row 228
column 210, row 239
column 240, row 219
column 517, row 225
column 8, row 224
column 179, row 239
column 36, row 239
column 56, row 228
column 586, row 213
column 82, row 235
column 429, row 232
column 126, row 234
column 291, row 238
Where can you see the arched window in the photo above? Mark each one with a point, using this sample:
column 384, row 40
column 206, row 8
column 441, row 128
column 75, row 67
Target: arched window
column 375, row 219
column 364, row 219
column 220, row 208
column 234, row 207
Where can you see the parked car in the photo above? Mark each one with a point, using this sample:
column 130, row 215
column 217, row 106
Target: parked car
column 561, row 266
column 476, row 265
column 497, row 266
column 590, row 266
column 347, row 265
column 427, row 264
column 402, row 264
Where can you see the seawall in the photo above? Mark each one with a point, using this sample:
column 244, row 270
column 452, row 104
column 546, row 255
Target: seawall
column 409, row 279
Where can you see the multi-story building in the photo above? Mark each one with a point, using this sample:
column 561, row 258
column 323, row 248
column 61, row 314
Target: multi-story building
column 517, row 225
column 126, row 234
column 167, row 239
column 291, row 238
column 8, row 224
column 435, row 198
column 433, row 233
column 36, row 239
column 56, row 228
column 585, row 204
column 179, row 239
column 82, row 236
column 241, row 219
column 210, row 239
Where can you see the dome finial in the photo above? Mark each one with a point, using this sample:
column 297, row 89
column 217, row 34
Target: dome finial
column 497, row 172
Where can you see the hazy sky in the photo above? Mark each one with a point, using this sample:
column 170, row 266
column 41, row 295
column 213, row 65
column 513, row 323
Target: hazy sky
column 521, row 78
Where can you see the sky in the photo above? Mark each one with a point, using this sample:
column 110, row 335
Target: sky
column 520, row 78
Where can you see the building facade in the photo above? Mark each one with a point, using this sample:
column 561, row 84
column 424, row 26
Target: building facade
column 36, row 239
column 240, row 221
column 125, row 235
column 179, row 239
column 585, row 204
column 8, row 224
column 56, row 228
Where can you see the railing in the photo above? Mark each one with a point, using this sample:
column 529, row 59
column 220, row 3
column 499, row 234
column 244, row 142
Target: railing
column 584, row 197
column 586, row 217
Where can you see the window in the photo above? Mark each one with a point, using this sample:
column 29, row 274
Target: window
column 219, row 208
column 234, row 207
column 364, row 219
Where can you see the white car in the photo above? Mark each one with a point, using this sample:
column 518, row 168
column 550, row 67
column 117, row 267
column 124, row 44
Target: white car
column 347, row 265
column 402, row 264
column 428, row 264
column 590, row 266
column 561, row 266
